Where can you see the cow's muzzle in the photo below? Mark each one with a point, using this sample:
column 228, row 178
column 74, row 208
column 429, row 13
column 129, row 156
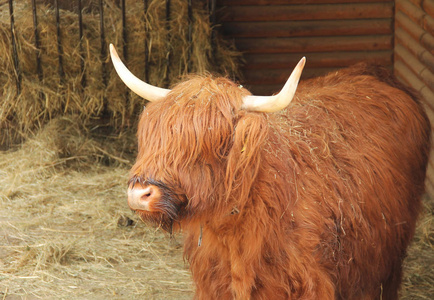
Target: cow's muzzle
column 143, row 198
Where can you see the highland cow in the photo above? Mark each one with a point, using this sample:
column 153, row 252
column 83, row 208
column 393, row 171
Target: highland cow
column 314, row 198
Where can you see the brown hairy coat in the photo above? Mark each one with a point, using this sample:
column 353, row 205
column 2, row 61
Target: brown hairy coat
column 318, row 201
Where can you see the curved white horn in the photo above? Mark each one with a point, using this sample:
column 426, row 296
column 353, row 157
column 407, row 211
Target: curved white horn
column 141, row 88
column 279, row 101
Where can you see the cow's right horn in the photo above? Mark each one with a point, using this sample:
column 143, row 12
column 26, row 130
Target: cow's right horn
column 279, row 101
column 141, row 88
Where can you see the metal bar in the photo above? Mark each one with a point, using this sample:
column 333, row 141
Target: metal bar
column 124, row 30
column 212, row 20
column 168, row 55
column 190, row 34
column 125, row 50
column 145, row 4
column 14, row 48
column 59, row 43
column 37, row 45
column 103, row 44
column 81, row 52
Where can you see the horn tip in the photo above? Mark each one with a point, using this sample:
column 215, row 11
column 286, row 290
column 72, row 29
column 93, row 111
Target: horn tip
column 113, row 52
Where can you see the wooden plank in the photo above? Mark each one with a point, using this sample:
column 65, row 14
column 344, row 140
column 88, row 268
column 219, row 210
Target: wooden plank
column 406, row 75
column 431, row 163
column 428, row 24
column 308, row 12
column 429, row 189
column 307, row 28
column 419, row 34
column 283, row 2
column 416, row 2
column 405, row 39
column 262, row 85
column 259, row 85
column 429, row 177
column 410, row 9
column 314, row 44
column 413, row 64
column 431, row 156
column 416, row 14
column 264, row 89
column 429, row 180
column 280, row 76
column 428, row 7
column 430, row 112
column 315, row 60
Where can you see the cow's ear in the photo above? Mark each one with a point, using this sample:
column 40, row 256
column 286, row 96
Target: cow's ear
column 245, row 155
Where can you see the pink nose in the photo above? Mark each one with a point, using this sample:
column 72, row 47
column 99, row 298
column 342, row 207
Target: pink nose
column 142, row 198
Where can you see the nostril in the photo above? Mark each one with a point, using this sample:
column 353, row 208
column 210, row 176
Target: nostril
column 147, row 193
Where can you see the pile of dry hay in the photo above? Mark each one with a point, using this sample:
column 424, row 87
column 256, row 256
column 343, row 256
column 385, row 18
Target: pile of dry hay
column 39, row 101
column 66, row 230
column 418, row 281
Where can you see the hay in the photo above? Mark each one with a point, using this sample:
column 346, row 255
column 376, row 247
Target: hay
column 38, row 102
column 65, row 229
column 62, row 224
column 418, row 282
column 67, row 233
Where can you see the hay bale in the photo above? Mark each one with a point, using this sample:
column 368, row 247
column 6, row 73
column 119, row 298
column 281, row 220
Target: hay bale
column 39, row 101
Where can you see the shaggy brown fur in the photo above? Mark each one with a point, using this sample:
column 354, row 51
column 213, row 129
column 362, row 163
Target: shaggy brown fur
column 318, row 201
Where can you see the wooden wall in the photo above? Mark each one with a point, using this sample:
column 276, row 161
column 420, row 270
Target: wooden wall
column 275, row 34
column 414, row 56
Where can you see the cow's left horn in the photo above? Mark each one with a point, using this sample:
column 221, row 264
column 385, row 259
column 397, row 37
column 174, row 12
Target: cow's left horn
column 141, row 88
column 279, row 101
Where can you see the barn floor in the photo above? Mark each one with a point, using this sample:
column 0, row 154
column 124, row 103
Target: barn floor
column 63, row 242
column 66, row 232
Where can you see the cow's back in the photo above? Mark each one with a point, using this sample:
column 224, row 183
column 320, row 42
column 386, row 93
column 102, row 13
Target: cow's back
column 360, row 147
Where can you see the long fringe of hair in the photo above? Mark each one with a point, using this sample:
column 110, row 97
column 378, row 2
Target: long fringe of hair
column 317, row 201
